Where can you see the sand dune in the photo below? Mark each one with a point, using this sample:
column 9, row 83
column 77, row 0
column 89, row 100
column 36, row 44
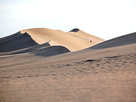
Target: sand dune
column 15, row 42
column 105, row 72
column 119, row 41
column 85, row 36
column 57, row 37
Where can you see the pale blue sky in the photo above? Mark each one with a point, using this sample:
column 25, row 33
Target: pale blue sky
column 103, row 18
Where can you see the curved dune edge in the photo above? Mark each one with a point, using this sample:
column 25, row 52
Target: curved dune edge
column 72, row 41
column 16, row 41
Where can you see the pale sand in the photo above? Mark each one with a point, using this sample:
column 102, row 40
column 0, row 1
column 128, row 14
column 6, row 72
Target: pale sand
column 103, row 73
column 86, row 37
column 58, row 37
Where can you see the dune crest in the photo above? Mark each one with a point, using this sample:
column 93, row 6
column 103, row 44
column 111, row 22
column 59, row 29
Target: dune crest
column 69, row 40
column 16, row 42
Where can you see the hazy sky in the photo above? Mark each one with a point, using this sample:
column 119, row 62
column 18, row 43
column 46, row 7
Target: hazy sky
column 104, row 18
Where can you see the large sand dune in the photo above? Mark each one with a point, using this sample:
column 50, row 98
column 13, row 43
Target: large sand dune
column 46, row 71
column 73, row 42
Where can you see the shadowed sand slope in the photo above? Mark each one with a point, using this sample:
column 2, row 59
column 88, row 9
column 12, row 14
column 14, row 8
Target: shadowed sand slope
column 15, row 42
column 104, row 74
column 58, row 37
column 119, row 41
column 31, row 49
column 27, row 50
column 50, row 51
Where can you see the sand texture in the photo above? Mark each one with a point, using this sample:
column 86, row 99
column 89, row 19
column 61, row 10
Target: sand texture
column 44, row 65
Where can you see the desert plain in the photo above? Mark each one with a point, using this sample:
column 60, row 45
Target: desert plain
column 45, row 65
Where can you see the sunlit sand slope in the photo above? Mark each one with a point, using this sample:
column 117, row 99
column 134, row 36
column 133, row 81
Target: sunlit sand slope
column 57, row 37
